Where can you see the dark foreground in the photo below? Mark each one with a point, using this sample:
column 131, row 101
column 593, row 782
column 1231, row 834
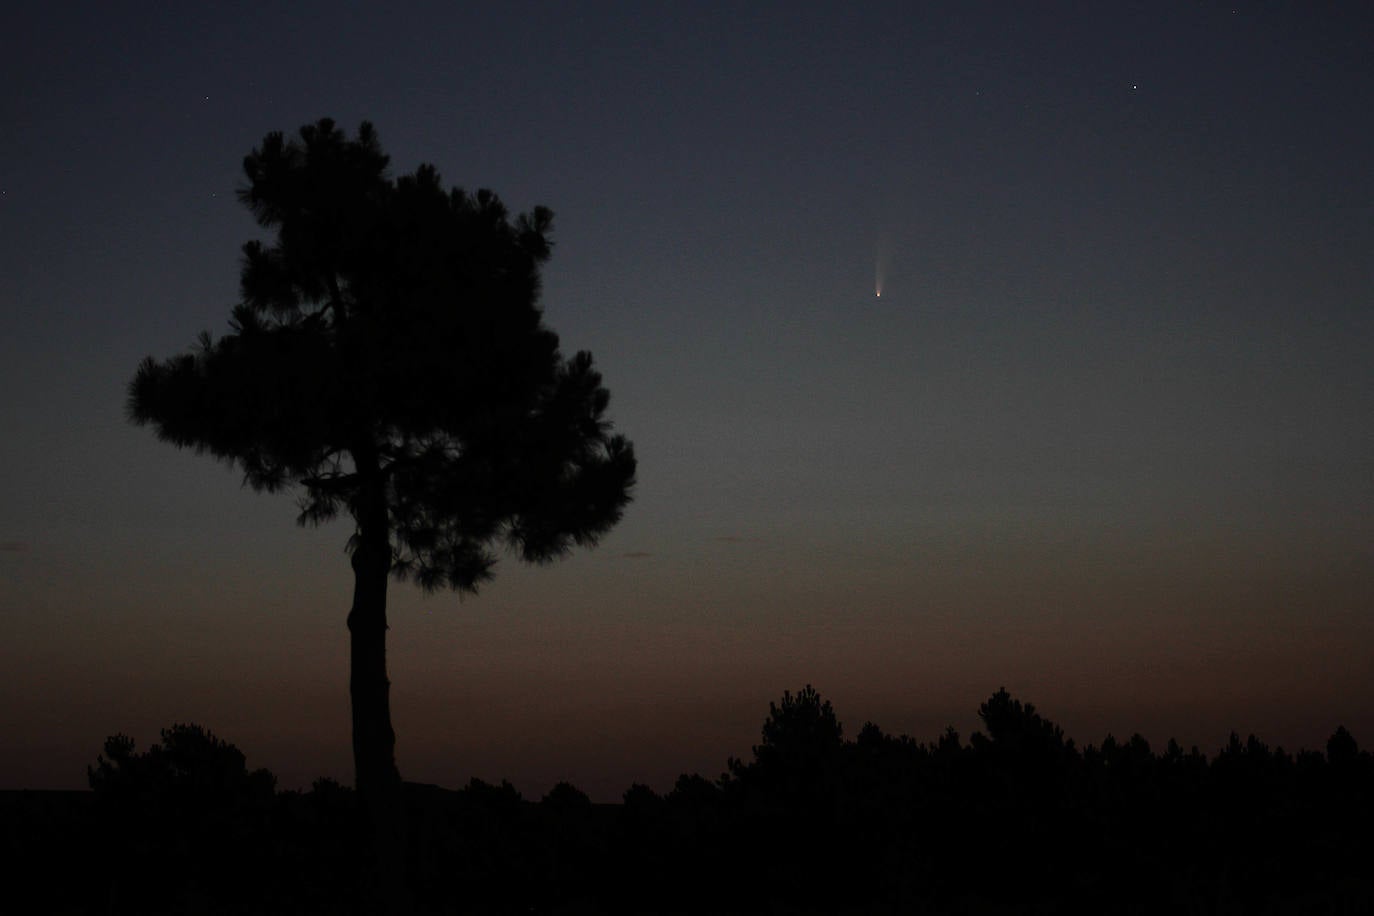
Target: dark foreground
column 1016, row 820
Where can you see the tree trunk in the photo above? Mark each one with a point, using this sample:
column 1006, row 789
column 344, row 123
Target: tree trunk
column 377, row 780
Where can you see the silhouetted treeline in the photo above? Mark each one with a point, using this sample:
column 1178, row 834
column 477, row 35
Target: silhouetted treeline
column 1017, row 819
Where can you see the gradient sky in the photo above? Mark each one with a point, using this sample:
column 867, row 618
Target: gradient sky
column 1107, row 438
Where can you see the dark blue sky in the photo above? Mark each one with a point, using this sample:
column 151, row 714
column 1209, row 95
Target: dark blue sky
column 1107, row 437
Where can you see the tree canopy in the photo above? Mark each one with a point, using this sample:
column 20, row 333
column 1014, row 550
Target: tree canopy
column 388, row 354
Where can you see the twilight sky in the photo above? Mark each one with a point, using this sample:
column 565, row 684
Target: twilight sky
column 1107, row 437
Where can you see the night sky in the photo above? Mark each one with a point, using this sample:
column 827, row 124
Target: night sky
column 1106, row 438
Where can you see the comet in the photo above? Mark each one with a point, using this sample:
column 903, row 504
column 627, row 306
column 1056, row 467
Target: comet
column 879, row 267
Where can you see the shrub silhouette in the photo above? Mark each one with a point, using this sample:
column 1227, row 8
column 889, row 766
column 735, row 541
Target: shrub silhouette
column 1341, row 749
column 190, row 815
column 799, row 758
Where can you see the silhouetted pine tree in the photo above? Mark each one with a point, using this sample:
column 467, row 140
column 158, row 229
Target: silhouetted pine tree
column 388, row 358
